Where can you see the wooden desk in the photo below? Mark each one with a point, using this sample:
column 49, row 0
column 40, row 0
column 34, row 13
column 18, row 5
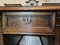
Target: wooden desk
column 53, row 9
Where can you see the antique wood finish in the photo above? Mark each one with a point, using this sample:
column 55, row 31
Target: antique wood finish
column 53, row 20
column 40, row 22
column 1, row 34
column 30, row 8
column 38, row 26
column 57, row 28
column 57, row 36
column 1, row 39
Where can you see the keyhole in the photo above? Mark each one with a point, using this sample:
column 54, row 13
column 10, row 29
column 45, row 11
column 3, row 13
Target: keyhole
column 27, row 20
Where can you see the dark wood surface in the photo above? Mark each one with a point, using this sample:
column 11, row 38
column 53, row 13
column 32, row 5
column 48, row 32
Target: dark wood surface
column 40, row 22
column 57, row 36
column 34, row 31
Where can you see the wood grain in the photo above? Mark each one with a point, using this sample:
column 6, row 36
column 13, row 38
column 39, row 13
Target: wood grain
column 57, row 36
column 15, row 23
column 41, row 33
column 2, row 8
column 39, row 26
column 1, row 39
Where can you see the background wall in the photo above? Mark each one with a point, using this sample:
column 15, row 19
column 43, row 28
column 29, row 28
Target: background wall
column 2, row 2
column 23, row 2
column 52, row 1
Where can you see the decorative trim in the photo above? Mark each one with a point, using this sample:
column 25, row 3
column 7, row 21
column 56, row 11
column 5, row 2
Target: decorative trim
column 32, row 3
column 12, row 5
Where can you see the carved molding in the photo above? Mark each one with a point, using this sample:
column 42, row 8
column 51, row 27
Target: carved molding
column 32, row 3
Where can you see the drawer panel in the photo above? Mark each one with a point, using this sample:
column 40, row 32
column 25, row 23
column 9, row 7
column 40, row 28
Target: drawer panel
column 34, row 21
column 28, row 23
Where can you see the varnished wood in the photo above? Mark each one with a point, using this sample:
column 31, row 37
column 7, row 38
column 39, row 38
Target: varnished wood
column 1, row 37
column 53, row 20
column 3, row 8
column 42, row 33
column 57, row 36
column 36, row 23
column 39, row 24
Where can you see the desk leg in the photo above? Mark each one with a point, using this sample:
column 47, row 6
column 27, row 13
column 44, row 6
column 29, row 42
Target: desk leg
column 20, row 40
column 1, row 39
column 57, row 37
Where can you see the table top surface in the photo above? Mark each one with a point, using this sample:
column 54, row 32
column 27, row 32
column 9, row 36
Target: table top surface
column 6, row 8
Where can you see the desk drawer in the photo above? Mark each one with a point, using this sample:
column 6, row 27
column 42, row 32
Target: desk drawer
column 28, row 22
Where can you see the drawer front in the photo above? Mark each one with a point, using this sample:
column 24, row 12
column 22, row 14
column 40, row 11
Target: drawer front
column 28, row 23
